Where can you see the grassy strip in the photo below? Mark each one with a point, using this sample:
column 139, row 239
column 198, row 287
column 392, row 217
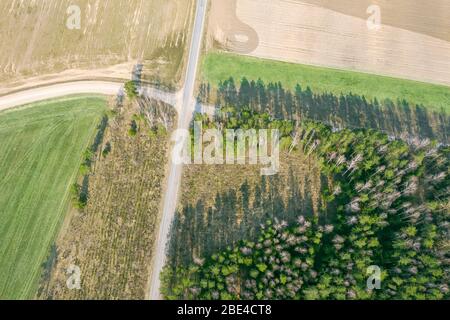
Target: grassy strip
column 219, row 66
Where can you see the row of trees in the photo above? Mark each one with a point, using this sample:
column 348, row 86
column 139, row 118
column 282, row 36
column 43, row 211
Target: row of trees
column 387, row 205
column 110, row 238
column 80, row 192
column 397, row 118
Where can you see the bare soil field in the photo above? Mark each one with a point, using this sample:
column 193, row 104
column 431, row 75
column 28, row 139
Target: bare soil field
column 36, row 41
column 413, row 41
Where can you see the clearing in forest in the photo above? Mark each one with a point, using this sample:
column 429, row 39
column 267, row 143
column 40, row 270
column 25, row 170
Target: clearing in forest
column 412, row 42
column 110, row 238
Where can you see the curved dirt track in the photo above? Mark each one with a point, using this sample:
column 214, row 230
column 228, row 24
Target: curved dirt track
column 108, row 88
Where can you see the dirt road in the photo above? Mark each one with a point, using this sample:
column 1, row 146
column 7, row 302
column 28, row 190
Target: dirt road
column 183, row 100
column 108, row 88
column 58, row 90
column 173, row 185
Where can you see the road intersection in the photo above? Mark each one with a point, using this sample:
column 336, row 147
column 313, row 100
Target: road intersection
column 185, row 103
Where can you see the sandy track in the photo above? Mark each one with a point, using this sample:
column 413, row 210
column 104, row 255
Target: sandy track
column 430, row 17
column 108, row 88
column 305, row 32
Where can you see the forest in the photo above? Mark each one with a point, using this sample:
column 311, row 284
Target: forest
column 399, row 119
column 384, row 203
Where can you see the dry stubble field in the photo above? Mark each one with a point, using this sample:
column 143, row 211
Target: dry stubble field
column 35, row 39
column 214, row 209
column 413, row 42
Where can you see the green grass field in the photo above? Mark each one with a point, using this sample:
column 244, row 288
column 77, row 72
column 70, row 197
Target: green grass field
column 219, row 66
column 40, row 154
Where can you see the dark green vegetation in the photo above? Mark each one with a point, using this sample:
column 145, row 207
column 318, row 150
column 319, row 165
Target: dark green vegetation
column 219, row 66
column 398, row 118
column 40, row 154
column 131, row 90
column 386, row 204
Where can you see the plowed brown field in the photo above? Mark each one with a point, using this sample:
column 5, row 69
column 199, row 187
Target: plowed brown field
column 413, row 41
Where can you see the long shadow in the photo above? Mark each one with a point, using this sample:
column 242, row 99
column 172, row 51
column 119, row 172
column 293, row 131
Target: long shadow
column 200, row 231
column 399, row 119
